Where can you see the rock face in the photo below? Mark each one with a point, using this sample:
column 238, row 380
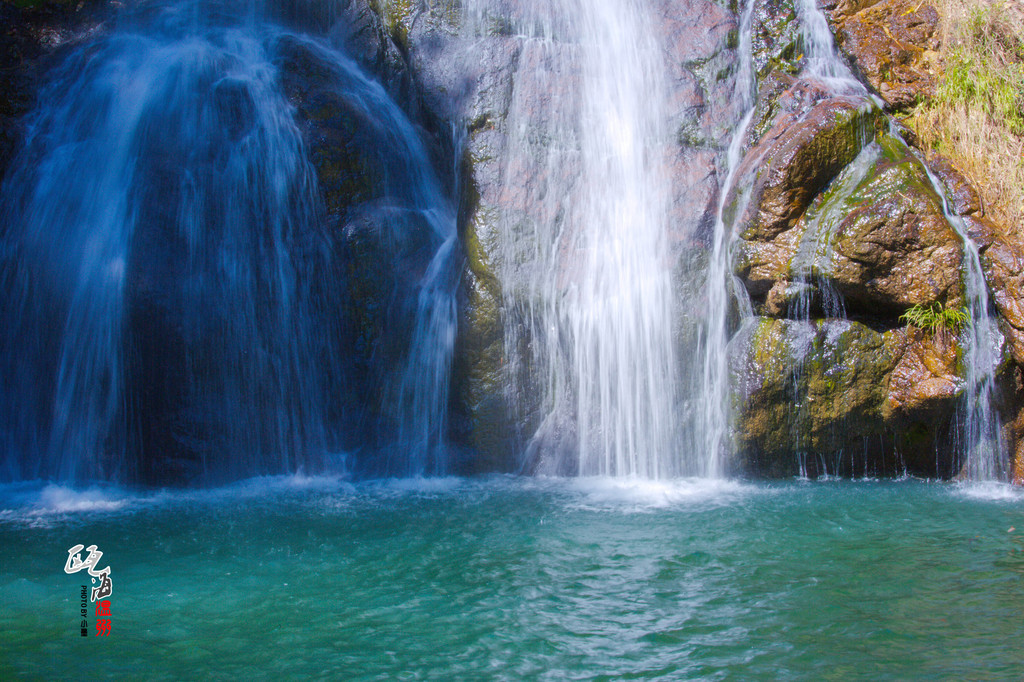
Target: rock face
column 839, row 231
column 840, row 398
column 490, row 66
column 862, row 235
column 876, row 237
column 894, row 45
column 840, row 221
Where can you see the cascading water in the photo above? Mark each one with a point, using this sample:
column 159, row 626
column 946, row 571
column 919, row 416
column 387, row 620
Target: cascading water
column 821, row 60
column 593, row 292
column 983, row 449
column 721, row 289
column 619, row 314
column 983, row 454
column 170, row 295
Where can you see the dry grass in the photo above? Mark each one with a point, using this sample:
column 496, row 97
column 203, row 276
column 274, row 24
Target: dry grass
column 977, row 115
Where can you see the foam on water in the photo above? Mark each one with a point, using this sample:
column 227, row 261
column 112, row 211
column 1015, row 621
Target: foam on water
column 990, row 491
column 635, row 494
column 33, row 501
column 42, row 504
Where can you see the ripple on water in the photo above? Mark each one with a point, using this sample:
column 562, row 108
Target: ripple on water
column 516, row 578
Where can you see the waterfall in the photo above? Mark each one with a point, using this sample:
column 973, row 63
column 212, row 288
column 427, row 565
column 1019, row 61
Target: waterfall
column 587, row 251
column 722, row 291
column 619, row 315
column 982, row 452
column 820, row 58
column 171, row 290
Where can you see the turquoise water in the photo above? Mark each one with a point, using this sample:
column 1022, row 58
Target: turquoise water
column 513, row 578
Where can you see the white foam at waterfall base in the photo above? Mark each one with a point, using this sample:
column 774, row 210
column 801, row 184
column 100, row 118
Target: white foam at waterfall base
column 991, row 491
column 638, row 494
column 40, row 503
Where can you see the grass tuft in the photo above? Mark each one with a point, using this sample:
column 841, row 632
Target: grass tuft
column 934, row 318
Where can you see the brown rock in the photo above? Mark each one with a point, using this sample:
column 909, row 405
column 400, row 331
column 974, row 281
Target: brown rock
column 925, row 378
column 842, row 396
column 895, row 248
column 1003, row 265
column 809, row 143
column 893, row 44
column 876, row 236
column 798, row 158
column 963, row 199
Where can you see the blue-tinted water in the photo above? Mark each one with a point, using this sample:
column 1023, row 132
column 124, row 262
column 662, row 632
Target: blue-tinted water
column 511, row 578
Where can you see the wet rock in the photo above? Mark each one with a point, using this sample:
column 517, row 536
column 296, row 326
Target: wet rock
column 1003, row 265
column 876, row 237
column 812, row 139
column 893, row 44
column 775, row 44
column 895, row 248
column 925, row 380
column 1008, row 401
column 484, row 419
column 963, row 198
column 839, row 397
column 341, row 135
column 1018, row 464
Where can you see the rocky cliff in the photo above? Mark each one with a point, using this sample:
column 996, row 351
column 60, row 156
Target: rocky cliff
column 837, row 226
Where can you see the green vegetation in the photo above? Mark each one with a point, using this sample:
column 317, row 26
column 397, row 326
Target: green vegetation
column 934, row 318
column 976, row 117
column 986, row 69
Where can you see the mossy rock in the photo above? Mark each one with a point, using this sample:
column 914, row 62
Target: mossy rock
column 776, row 40
column 483, row 417
column 823, row 391
column 894, row 247
column 808, row 146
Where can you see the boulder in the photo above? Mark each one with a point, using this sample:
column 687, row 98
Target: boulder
column 838, row 397
column 810, row 142
column 893, row 44
column 873, row 232
column 894, row 247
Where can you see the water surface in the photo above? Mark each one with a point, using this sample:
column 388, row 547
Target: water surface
column 512, row 578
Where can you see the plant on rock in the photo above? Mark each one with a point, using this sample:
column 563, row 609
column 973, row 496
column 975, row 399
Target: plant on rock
column 935, row 318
